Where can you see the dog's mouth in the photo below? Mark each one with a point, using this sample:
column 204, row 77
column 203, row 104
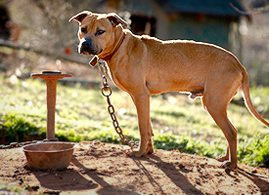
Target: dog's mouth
column 88, row 51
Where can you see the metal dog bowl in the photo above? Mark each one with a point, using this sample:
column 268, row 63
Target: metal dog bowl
column 49, row 155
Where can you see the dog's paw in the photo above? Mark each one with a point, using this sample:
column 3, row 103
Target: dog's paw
column 228, row 166
column 136, row 153
column 149, row 149
column 222, row 158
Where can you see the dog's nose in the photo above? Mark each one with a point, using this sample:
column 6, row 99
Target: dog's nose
column 86, row 44
column 87, row 47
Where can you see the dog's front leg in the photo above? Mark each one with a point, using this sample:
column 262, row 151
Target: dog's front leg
column 142, row 103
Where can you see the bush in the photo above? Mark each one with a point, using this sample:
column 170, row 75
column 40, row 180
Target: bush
column 254, row 151
column 17, row 128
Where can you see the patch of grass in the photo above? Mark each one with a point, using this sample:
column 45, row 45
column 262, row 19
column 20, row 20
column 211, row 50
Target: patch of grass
column 18, row 128
column 11, row 188
column 188, row 145
column 254, row 151
column 81, row 115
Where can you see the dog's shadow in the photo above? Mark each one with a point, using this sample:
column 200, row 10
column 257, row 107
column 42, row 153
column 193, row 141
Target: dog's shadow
column 181, row 182
column 258, row 180
column 70, row 179
column 106, row 188
column 171, row 172
column 167, row 168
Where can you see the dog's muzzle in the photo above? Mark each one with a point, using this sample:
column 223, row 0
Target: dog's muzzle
column 86, row 47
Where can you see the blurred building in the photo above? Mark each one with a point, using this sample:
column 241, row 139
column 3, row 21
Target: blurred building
column 4, row 18
column 211, row 21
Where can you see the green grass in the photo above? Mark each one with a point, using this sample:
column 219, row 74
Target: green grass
column 81, row 114
column 11, row 188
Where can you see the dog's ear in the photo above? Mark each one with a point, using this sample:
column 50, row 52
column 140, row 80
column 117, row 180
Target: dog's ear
column 80, row 16
column 115, row 19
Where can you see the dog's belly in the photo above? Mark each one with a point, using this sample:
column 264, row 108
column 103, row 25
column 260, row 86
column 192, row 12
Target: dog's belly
column 181, row 86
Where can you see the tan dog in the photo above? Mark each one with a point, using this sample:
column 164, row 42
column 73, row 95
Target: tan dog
column 144, row 66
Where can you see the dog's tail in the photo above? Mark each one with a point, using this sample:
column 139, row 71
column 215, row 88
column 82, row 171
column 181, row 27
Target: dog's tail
column 248, row 103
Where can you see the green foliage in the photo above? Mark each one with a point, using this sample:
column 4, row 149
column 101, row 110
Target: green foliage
column 254, row 150
column 185, row 144
column 18, row 128
column 11, row 188
column 81, row 115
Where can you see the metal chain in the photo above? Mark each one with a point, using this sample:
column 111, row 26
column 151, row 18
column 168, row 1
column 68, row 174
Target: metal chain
column 18, row 144
column 106, row 92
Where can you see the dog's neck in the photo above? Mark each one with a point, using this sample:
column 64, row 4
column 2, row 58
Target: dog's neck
column 118, row 44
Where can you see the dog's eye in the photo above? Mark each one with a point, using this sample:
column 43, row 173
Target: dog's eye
column 99, row 32
column 83, row 30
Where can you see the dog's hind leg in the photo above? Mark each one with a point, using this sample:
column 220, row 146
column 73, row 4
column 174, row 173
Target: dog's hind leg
column 216, row 105
column 219, row 89
column 217, row 108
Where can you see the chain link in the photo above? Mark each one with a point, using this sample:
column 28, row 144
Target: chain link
column 107, row 92
column 17, row 144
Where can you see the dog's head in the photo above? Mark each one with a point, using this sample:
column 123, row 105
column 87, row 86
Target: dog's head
column 97, row 32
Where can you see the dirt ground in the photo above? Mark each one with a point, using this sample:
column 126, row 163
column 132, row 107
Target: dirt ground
column 99, row 168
